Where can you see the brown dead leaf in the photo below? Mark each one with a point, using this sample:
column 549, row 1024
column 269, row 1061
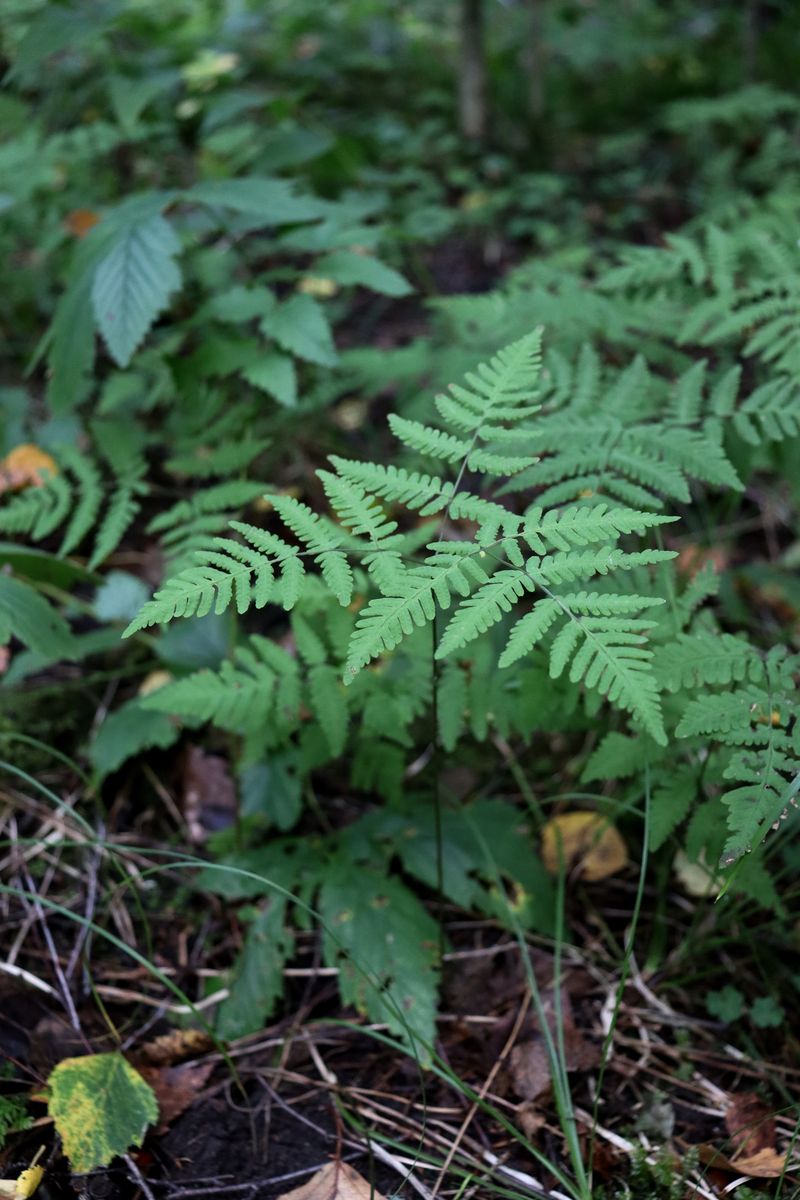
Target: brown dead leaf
column 25, row 466
column 693, row 558
column 530, row 1119
column 80, row 221
column 528, row 1062
column 766, row 1164
column 336, row 1181
column 209, row 794
column 172, row 1047
column 586, row 841
column 750, row 1124
column 176, row 1088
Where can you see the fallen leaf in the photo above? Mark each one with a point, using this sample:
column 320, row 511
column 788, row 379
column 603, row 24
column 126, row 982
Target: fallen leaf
column 101, row 1106
column 586, row 841
column 80, row 221
column 336, row 1181
column 175, row 1088
column 209, row 794
column 25, row 466
column 171, row 1047
column 696, row 878
column 750, row 1124
column 529, row 1063
column 155, row 680
column 766, row 1164
column 693, row 558
column 530, row 1119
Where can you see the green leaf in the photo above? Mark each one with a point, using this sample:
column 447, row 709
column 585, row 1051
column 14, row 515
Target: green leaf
column 272, row 200
column 101, row 1106
column 26, row 615
column 386, row 948
column 55, row 29
column 257, row 982
column 726, row 1004
column 347, row 268
column 765, row 1013
column 274, row 373
column 669, row 805
column 71, row 340
column 120, row 597
column 300, row 326
column 133, row 283
column 128, row 731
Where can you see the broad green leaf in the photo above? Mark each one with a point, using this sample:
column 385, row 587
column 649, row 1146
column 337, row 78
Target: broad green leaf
column 257, row 982
column 385, row 945
column 274, row 373
column 101, row 1106
column 71, row 341
column 26, row 615
column 348, row 268
column 133, row 283
column 300, row 326
column 58, row 28
column 272, row 200
column 130, row 95
column 128, row 731
column 120, row 597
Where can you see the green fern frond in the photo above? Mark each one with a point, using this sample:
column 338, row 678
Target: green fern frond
column 256, row 693
column 483, row 609
column 695, row 659
column 413, row 601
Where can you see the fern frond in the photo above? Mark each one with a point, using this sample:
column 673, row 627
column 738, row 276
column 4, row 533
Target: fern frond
column 425, row 493
column 412, row 602
column 483, row 609
column 247, row 695
column 695, row 659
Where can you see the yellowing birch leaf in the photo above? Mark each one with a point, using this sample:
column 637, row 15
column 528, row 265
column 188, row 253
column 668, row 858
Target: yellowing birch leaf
column 584, row 840
column 101, row 1106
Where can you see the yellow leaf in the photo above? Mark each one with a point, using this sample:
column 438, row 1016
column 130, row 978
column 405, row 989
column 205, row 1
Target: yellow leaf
column 25, row 466
column 26, row 1183
column 584, row 840
column 696, row 878
column 155, row 680
column 316, row 285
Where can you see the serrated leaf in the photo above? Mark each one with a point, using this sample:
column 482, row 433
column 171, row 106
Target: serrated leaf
column 128, row 731
column 300, row 326
column 271, row 200
column 101, row 1106
column 257, row 982
column 133, row 283
column 386, row 947
column 274, row 373
column 26, row 615
column 347, row 268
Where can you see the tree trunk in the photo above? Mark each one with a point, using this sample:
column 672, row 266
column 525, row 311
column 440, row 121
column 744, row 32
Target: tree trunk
column 533, row 59
column 472, row 72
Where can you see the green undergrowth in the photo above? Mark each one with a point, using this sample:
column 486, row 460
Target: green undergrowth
column 428, row 489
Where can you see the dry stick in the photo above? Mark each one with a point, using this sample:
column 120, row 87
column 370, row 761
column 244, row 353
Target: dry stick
column 465, row 1124
column 138, row 1176
column 91, row 901
column 66, row 995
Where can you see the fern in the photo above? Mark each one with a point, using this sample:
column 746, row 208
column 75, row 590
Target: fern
column 758, row 724
column 83, row 499
column 479, row 578
column 256, row 694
